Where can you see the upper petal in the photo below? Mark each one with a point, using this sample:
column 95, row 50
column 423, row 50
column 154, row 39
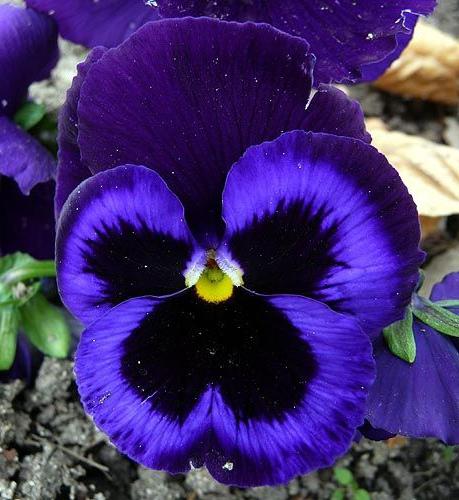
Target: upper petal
column 419, row 399
column 121, row 234
column 23, row 158
column 28, row 52
column 325, row 217
column 71, row 170
column 447, row 289
column 256, row 389
column 27, row 222
column 186, row 98
column 97, row 22
column 345, row 35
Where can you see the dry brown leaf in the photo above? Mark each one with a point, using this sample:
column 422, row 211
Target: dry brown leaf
column 431, row 171
column 427, row 69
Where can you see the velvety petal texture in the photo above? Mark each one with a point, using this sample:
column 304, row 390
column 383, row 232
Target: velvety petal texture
column 325, row 217
column 179, row 383
column 27, row 222
column 121, row 234
column 345, row 35
column 71, row 170
column 28, row 52
column 420, row 399
column 97, row 22
column 174, row 97
column 22, row 158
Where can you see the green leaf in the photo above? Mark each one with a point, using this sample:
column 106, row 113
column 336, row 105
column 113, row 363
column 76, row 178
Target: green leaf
column 361, row 494
column 447, row 303
column 400, row 338
column 437, row 317
column 18, row 267
column 449, row 453
column 9, row 324
column 29, row 115
column 45, row 326
column 343, row 476
column 337, row 495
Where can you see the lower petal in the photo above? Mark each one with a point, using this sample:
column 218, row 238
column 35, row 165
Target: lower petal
column 256, row 389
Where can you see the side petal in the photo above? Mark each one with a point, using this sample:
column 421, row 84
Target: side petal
column 28, row 48
column 121, row 234
column 419, row 399
column 27, row 222
column 23, row 158
column 447, row 289
column 257, row 390
column 193, row 107
column 344, row 35
column 331, row 111
column 70, row 169
column 101, row 22
column 325, row 217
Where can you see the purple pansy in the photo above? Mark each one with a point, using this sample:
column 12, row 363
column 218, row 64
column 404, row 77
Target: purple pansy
column 28, row 52
column 214, row 226
column 351, row 39
column 420, row 399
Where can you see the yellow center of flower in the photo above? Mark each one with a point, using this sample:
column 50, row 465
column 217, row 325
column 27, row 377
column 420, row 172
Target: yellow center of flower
column 214, row 285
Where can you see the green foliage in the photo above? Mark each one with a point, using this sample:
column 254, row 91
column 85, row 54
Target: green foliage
column 29, row 115
column 9, row 322
column 437, row 317
column 400, row 338
column 449, row 453
column 349, row 486
column 361, row 494
column 343, row 476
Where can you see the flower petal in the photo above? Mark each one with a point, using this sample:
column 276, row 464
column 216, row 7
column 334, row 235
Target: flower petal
column 325, row 217
column 331, row 111
column 27, row 222
column 97, row 22
column 256, row 389
column 121, row 234
column 344, row 34
column 447, row 289
column 28, row 48
column 70, row 169
column 192, row 107
column 419, row 399
column 23, row 158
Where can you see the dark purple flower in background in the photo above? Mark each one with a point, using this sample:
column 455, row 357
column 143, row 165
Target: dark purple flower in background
column 420, row 399
column 28, row 52
column 209, row 340
column 351, row 39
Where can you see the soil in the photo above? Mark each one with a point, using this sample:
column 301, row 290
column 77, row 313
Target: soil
column 49, row 449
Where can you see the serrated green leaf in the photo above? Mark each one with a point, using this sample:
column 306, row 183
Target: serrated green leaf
column 45, row 326
column 400, row 338
column 29, row 115
column 9, row 324
column 18, row 267
column 361, row 494
column 343, row 476
column 437, row 317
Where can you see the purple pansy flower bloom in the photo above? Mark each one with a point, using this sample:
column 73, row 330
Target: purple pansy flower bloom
column 28, row 52
column 209, row 340
column 420, row 399
column 351, row 39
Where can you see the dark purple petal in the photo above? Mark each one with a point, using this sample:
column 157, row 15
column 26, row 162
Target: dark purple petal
column 23, row 158
column 325, row 217
column 366, row 430
column 447, row 289
column 28, row 52
column 419, row 399
column 258, row 390
column 121, row 234
column 70, row 169
column 186, row 98
column 331, row 111
column 344, row 34
column 373, row 71
column 97, row 22
column 27, row 222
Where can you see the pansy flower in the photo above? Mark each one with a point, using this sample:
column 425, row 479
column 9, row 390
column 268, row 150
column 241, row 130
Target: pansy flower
column 420, row 399
column 351, row 39
column 215, row 227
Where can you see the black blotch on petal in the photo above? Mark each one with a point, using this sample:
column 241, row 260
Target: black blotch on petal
column 287, row 251
column 132, row 262
column 244, row 346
